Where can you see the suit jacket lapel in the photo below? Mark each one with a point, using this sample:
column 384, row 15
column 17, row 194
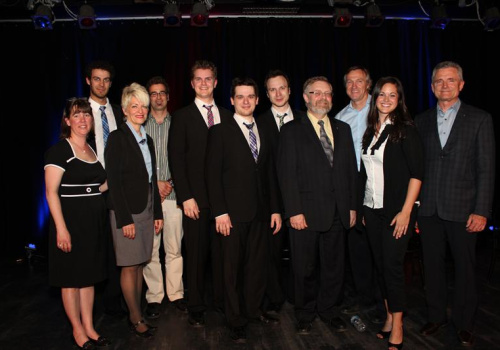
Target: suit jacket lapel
column 311, row 133
column 198, row 121
column 241, row 138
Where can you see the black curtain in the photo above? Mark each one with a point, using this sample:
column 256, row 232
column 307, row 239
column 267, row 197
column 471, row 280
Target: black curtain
column 139, row 49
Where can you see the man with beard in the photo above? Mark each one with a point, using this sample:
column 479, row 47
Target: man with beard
column 99, row 76
column 317, row 175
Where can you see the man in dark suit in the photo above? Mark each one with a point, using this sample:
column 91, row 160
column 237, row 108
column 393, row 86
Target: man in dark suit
column 243, row 196
column 277, row 87
column 108, row 117
column 456, row 197
column 186, row 148
column 317, row 174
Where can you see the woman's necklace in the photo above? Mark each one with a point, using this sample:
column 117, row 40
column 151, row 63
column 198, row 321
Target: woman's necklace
column 81, row 148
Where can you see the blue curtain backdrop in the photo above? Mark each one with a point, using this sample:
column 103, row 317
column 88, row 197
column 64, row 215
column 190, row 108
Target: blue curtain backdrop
column 35, row 91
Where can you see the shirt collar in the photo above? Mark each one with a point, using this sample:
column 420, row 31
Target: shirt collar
column 138, row 138
column 455, row 107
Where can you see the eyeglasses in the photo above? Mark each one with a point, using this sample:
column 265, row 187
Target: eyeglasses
column 318, row 94
column 156, row 94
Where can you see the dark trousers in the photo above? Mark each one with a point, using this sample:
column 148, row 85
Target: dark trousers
column 317, row 288
column 362, row 266
column 274, row 290
column 245, row 261
column 202, row 244
column 436, row 233
column 388, row 254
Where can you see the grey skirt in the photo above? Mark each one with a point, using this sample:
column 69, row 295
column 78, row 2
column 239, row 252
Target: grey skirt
column 135, row 251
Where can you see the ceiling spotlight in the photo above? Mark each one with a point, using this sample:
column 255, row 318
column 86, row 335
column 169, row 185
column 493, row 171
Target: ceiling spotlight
column 491, row 19
column 86, row 17
column 199, row 15
column 373, row 16
column 439, row 18
column 172, row 15
column 43, row 18
column 342, row 17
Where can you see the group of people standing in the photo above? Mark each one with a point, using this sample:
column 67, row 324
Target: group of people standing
column 232, row 187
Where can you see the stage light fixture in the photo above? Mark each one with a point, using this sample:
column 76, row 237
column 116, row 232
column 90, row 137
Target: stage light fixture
column 43, row 18
column 87, row 17
column 342, row 17
column 491, row 19
column 199, row 15
column 439, row 18
column 373, row 16
column 172, row 15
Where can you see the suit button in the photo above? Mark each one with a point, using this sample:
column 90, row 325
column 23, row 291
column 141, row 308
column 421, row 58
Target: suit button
column 88, row 189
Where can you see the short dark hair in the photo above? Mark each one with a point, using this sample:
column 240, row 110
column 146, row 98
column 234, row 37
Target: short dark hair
column 100, row 64
column 276, row 73
column 203, row 64
column 158, row 80
column 361, row 68
column 243, row 82
column 78, row 104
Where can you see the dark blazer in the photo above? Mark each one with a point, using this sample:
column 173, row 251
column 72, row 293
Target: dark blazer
column 186, row 149
column 267, row 121
column 128, row 178
column 309, row 185
column 236, row 184
column 459, row 178
column 403, row 161
column 119, row 117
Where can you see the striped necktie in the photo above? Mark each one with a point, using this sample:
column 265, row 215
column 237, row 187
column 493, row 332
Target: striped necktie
column 282, row 119
column 105, row 125
column 325, row 142
column 253, row 141
column 210, row 116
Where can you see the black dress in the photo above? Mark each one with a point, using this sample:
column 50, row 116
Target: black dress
column 84, row 211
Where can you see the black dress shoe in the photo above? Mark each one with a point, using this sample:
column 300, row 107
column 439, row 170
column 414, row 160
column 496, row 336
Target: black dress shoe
column 430, row 328
column 101, row 341
column 337, row 324
column 181, row 305
column 238, row 335
column 153, row 310
column 350, row 309
column 376, row 316
column 196, row 319
column 391, row 346
column 304, row 328
column 465, row 338
column 265, row 319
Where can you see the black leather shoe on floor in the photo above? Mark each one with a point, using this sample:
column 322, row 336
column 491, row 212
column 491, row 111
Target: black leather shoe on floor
column 376, row 316
column 239, row 335
column 101, row 341
column 181, row 305
column 350, row 309
column 337, row 324
column 266, row 319
column 153, row 310
column 196, row 319
column 304, row 328
column 88, row 345
column 430, row 328
column 465, row 338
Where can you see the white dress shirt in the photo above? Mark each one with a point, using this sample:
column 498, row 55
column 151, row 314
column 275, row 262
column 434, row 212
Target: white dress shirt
column 99, row 139
column 204, row 112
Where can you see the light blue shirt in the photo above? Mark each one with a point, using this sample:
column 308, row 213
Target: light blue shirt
column 357, row 121
column 143, row 145
column 445, row 121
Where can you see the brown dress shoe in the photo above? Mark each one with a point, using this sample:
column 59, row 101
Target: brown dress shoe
column 466, row 338
column 430, row 328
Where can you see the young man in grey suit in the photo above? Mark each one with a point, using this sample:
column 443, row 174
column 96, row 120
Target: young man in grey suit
column 317, row 174
column 456, row 197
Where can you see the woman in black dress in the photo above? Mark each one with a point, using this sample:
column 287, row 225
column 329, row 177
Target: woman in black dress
column 135, row 201
column 74, row 181
column 391, row 172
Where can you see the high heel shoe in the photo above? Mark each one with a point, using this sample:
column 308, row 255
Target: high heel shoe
column 383, row 334
column 146, row 334
column 392, row 345
column 88, row 345
column 101, row 341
